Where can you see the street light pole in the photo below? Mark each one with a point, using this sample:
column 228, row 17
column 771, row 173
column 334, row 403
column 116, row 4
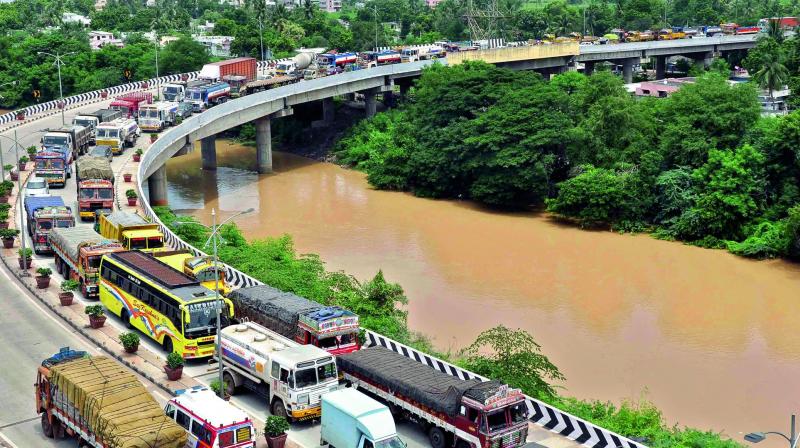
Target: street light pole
column 58, row 63
column 376, row 26
column 24, row 256
column 793, row 438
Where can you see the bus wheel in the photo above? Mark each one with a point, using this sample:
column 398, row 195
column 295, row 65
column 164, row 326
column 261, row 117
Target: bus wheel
column 126, row 319
column 437, row 437
column 279, row 410
column 168, row 347
column 230, row 385
column 47, row 428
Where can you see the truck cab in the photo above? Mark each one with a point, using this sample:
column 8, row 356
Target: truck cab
column 331, row 328
column 44, row 214
column 89, row 122
column 56, row 141
column 173, row 92
column 351, row 419
column 94, row 194
column 157, row 116
column 210, row 421
column 52, row 166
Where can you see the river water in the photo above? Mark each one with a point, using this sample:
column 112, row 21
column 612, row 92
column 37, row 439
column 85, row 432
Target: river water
column 710, row 338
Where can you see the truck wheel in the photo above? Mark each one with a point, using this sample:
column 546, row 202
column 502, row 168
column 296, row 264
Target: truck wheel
column 437, row 437
column 59, row 430
column 279, row 410
column 230, row 384
column 58, row 265
column 47, row 428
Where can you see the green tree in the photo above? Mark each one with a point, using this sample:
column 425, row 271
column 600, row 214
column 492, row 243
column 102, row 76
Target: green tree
column 512, row 357
column 773, row 75
column 182, row 55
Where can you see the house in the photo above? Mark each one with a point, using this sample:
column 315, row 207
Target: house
column 661, row 88
column 219, row 46
column 99, row 39
column 432, row 3
column 330, row 5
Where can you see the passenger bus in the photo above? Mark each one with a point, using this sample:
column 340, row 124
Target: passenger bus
column 167, row 305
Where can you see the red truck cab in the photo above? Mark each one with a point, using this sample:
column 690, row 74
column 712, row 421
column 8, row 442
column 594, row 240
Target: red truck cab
column 331, row 328
column 94, row 194
column 129, row 103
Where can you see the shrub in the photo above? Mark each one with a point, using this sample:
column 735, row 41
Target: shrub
column 23, row 159
column 275, row 426
column 174, row 360
column 44, row 272
column 8, row 233
column 70, row 285
column 131, row 194
column 25, row 253
column 94, row 310
column 129, row 339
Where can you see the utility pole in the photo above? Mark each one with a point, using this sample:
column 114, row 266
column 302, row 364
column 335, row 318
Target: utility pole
column 376, row 26
column 58, row 61
column 21, row 212
column 219, row 303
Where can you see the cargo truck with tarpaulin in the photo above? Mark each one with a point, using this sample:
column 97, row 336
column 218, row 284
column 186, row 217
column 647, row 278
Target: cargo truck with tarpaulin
column 44, row 214
column 133, row 231
column 95, row 182
column 292, row 377
column 210, row 421
column 199, row 268
column 454, row 412
column 100, row 403
column 166, row 305
column 307, row 322
column 77, row 252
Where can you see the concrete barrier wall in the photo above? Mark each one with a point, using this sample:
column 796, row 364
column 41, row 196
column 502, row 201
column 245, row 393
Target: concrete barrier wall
column 512, row 54
column 540, row 413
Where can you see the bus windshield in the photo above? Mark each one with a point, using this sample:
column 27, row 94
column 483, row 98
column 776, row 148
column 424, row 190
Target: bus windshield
column 203, row 319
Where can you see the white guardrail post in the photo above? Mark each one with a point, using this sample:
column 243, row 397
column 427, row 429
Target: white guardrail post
column 541, row 414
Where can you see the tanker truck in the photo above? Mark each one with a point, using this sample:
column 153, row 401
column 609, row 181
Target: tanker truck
column 453, row 411
column 101, row 404
column 329, row 327
column 295, row 65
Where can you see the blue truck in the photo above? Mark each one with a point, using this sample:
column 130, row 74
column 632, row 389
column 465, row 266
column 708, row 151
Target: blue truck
column 53, row 165
column 45, row 213
column 205, row 96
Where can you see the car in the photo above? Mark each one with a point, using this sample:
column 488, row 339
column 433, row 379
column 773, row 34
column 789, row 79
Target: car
column 184, row 110
column 101, row 151
column 37, row 186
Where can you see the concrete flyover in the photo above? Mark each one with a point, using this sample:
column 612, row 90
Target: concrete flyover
column 628, row 54
column 262, row 106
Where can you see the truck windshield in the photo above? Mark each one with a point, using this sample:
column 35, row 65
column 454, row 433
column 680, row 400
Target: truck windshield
column 394, row 442
column 193, row 94
column 203, row 318
column 326, row 372
column 337, row 341
column 54, row 140
column 519, row 412
column 105, row 193
column 207, row 275
column 50, row 164
column 44, row 224
column 171, row 89
column 82, row 122
column 94, row 261
column 64, row 223
column 88, row 193
column 284, row 67
column 496, row 420
column 305, row 378
column 155, row 242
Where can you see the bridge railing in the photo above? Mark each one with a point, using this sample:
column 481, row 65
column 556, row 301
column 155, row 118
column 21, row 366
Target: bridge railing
column 540, row 413
column 512, row 54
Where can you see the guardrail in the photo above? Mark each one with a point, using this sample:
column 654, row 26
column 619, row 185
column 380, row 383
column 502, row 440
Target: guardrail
column 542, row 414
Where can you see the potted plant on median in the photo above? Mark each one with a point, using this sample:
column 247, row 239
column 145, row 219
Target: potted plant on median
column 153, row 137
column 8, row 236
column 3, row 219
column 174, row 366
column 127, row 177
column 22, row 162
column 6, row 187
column 31, row 152
column 96, row 315
column 275, row 431
column 215, row 387
column 10, row 169
column 43, row 279
column 129, row 341
column 137, row 156
column 131, row 195
column 66, row 295
column 20, row 114
column 25, row 256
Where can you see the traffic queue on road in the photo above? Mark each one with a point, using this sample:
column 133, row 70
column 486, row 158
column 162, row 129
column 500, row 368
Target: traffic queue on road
column 295, row 353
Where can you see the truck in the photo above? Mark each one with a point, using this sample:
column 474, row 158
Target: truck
column 217, row 71
column 453, row 411
column 292, row 377
column 53, row 166
column 223, row 424
column 205, row 96
column 130, row 103
column 106, row 115
column 173, row 92
column 423, row 52
column 239, row 89
column 95, row 183
column 376, row 58
column 132, row 231
column 332, row 63
column 784, row 23
column 118, row 134
column 351, row 419
column 46, row 213
column 306, row 322
column 89, row 122
column 77, row 252
column 157, row 116
column 199, row 268
column 73, row 140
column 295, row 65
column 100, row 403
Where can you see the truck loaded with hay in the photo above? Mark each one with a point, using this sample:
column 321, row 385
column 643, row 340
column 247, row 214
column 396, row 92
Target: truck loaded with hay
column 97, row 401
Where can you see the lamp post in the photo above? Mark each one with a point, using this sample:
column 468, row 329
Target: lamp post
column 756, row 437
column 19, row 198
column 58, row 57
column 2, row 163
column 214, row 236
column 375, row 7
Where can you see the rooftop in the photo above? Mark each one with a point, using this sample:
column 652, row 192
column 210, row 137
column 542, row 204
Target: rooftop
column 204, row 403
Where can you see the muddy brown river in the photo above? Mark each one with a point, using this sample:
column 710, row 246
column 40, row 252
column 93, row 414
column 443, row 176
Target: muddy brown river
column 710, row 338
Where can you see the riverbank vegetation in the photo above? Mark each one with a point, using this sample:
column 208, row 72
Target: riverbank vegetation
column 701, row 166
column 511, row 356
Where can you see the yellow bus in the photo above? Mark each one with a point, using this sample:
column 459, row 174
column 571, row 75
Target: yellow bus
column 167, row 305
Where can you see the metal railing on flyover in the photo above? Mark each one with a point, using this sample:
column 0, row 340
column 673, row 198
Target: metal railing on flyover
column 542, row 414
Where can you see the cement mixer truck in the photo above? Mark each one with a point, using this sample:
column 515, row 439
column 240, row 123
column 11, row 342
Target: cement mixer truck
column 295, row 65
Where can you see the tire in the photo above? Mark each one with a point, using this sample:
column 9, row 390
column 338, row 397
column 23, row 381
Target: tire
column 58, row 265
column 279, row 410
column 126, row 318
column 461, row 443
column 67, row 272
column 59, row 430
column 437, row 437
column 47, row 428
column 227, row 378
column 167, row 344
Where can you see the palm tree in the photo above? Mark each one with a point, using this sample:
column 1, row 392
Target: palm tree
column 773, row 75
column 309, row 8
column 774, row 30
